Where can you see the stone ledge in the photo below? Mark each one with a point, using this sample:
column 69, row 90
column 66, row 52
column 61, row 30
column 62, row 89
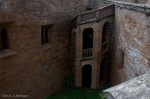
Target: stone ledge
column 143, row 8
column 7, row 52
column 137, row 88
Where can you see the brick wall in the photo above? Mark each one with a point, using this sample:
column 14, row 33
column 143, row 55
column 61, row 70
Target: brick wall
column 36, row 70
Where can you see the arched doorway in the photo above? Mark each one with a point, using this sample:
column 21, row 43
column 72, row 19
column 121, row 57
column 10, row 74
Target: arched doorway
column 86, row 76
column 88, row 38
column 104, row 71
column 106, row 32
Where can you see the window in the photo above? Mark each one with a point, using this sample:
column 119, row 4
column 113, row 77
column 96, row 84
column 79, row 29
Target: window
column 122, row 54
column 44, row 34
column 3, row 39
column 136, row 1
column 91, row 4
column 4, row 47
column 88, row 38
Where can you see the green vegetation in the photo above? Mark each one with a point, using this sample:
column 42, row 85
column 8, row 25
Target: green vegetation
column 69, row 92
column 68, row 82
column 75, row 93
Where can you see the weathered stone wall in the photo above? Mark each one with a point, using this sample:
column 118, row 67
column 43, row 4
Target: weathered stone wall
column 133, row 1
column 137, row 88
column 132, row 37
column 81, row 5
column 36, row 70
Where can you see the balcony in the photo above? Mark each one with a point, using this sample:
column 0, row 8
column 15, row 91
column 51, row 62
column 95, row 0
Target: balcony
column 93, row 15
column 87, row 54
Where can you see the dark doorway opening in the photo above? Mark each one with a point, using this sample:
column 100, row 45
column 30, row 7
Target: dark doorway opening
column 106, row 32
column 86, row 76
column 104, row 71
column 88, row 38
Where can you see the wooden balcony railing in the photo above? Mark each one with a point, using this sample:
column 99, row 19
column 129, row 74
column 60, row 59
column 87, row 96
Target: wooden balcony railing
column 94, row 15
column 87, row 53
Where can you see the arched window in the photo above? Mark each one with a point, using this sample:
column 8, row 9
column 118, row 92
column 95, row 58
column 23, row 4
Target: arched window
column 88, row 38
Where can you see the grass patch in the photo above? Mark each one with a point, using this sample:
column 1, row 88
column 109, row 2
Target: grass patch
column 76, row 93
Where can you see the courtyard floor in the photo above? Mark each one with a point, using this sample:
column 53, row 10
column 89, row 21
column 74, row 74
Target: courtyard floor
column 76, row 93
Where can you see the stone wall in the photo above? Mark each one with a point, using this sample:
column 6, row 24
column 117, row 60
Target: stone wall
column 133, row 1
column 132, row 37
column 137, row 88
column 34, row 69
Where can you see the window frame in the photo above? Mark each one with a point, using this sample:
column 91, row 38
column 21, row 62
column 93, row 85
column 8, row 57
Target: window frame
column 122, row 58
column 3, row 39
column 92, row 4
column 5, row 50
column 45, row 30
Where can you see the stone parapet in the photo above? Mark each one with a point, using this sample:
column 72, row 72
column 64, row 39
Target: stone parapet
column 143, row 8
column 137, row 88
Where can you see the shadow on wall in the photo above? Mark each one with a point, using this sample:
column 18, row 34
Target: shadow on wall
column 140, row 1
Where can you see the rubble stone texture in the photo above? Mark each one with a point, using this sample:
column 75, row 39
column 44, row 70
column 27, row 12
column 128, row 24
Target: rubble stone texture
column 36, row 70
column 132, row 37
column 137, row 88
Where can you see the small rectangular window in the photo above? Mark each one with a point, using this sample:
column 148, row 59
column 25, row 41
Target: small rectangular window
column 45, row 34
column 4, row 42
column 91, row 4
column 3, row 39
column 136, row 1
column 122, row 54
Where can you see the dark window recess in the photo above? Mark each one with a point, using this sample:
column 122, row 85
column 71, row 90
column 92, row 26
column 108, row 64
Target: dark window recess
column 122, row 54
column 136, row 1
column 3, row 39
column 91, row 4
column 44, row 34
column 88, row 38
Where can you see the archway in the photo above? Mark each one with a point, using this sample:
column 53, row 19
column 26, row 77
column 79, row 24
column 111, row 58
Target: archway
column 88, row 38
column 106, row 32
column 86, row 76
column 104, row 71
